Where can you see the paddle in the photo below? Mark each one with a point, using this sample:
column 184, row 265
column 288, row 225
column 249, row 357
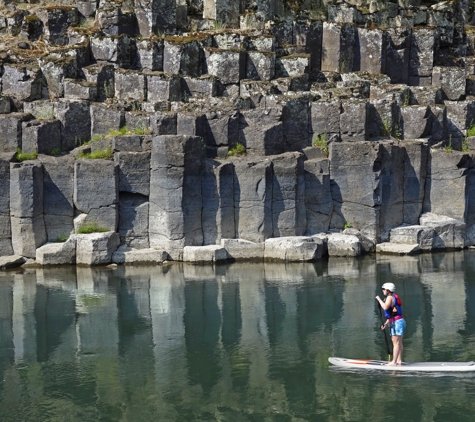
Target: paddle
column 385, row 335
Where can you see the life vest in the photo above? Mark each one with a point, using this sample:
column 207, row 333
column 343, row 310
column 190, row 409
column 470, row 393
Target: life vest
column 396, row 311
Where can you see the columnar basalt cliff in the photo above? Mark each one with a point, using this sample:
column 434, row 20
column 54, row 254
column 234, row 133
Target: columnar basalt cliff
column 209, row 130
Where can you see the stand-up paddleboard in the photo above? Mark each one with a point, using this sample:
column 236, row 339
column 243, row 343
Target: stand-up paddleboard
column 381, row 365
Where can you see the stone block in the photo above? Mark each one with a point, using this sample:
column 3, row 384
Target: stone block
column 204, row 254
column 130, row 85
column 163, row 87
column 292, row 65
column 80, row 90
column 338, row 42
column 253, row 199
column 219, row 129
column 55, row 70
column 415, row 234
column 460, row 116
column 120, row 50
column 181, row 56
column 41, row 136
column 293, row 249
column 22, row 81
column 227, row 65
column 288, row 195
column 114, row 22
column 309, row 35
column 415, row 121
column 370, row 51
column 96, row 248
column 318, row 199
column 382, row 119
column 229, row 40
column 421, row 59
column 261, row 131
column 398, row 249
column 134, row 172
column 75, row 118
column 260, row 65
column 190, row 123
column 452, row 80
column 353, row 121
column 58, row 190
column 265, row 43
column 87, row 7
column 133, row 220
column 203, row 87
column 438, row 124
column 343, row 245
column 57, row 21
column 11, row 261
column 5, row 105
column 156, row 16
column 222, row 10
column 217, row 186
column 243, row 250
column 164, row 123
column 325, row 117
column 96, row 191
column 57, row 253
column 26, row 207
column 449, row 232
column 129, row 256
column 367, row 245
column 102, row 75
column 10, row 130
column 175, row 193
column 5, row 226
column 150, row 53
column 104, row 118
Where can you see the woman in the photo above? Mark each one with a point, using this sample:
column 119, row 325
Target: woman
column 393, row 312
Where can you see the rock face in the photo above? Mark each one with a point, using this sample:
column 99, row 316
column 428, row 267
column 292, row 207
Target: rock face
column 235, row 129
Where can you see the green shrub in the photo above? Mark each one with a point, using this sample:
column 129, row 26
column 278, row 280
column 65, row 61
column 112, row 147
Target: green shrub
column 61, row 238
column 471, row 130
column 92, row 227
column 100, row 153
column 24, row 156
column 55, row 152
column 347, row 225
column 239, row 149
column 321, row 141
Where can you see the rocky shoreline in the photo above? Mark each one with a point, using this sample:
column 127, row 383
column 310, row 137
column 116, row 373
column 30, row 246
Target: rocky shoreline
column 211, row 130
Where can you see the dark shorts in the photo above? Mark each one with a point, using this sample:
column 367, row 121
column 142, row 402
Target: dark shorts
column 398, row 328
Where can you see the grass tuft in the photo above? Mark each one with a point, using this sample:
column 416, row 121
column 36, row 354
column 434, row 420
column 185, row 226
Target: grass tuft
column 92, row 227
column 321, row 141
column 24, row 156
column 100, row 153
column 239, row 149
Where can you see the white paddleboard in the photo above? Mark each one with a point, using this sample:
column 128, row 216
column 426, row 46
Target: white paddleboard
column 381, row 365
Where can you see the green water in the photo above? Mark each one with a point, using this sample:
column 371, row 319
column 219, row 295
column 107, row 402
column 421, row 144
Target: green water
column 243, row 342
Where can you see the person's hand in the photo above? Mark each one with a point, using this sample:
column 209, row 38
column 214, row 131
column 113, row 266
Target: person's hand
column 383, row 327
column 377, row 298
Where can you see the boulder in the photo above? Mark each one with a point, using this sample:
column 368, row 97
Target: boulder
column 127, row 255
column 11, row 261
column 293, row 248
column 367, row 245
column 96, row 248
column 343, row 245
column 397, row 249
column 243, row 250
column 449, row 232
column 202, row 254
column 57, row 253
column 415, row 234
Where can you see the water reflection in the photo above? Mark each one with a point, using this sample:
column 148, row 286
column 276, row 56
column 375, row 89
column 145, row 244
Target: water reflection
column 238, row 342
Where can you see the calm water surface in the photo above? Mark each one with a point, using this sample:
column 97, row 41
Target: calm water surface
column 243, row 342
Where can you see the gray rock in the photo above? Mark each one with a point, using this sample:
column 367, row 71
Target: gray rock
column 134, row 172
column 155, row 16
column 96, row 248
column 22, row 81
column 422, row 52
column 367, row 245
column 5, row 105
column 217, row 186
column 150, row 54
column 371, row 54
column 133, row 220
column 104, row 118
column 75, row 118
column 338, row 42
column 449, row 232
column 126, row 255
column 202, row 87
column 260, row 65
column 163, row 87
column 11, row 261
column 343, row 245
column 460, row 115
column 56, row 22
column 41, row 136
column 203, row 254
column 5, row 226
column 253, row 199
column 293, row 248
column 397, row 249
column 243, row 250
column 130, row 85
column 416, row 121
column 80, row 90
column 452, row 80
column 55, row 70
column 101, row 74
column 181, row 56
column 353, row 120
column 10, row 133
column 292, row 65
column 175, row 194
column 228, row 65
column 288, row 195
column 58, row 189
column 163, row 123
column 325, row 117
column 120, row 50
column 222, row 10
column 57, row 253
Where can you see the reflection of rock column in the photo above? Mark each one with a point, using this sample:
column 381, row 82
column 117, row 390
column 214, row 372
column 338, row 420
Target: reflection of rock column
column 167, row 306
column 447, row 296
column 23, row 320
column 6, row 329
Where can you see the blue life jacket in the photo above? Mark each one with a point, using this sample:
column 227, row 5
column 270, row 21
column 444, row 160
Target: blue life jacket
column 396, row 309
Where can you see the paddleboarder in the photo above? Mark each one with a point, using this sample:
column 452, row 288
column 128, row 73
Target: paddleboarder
column 392, row 307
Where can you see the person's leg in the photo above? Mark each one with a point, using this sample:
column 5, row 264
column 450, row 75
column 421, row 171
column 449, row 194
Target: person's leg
column 397, row 350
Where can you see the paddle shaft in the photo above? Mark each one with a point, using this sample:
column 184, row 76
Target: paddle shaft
column 385, row 335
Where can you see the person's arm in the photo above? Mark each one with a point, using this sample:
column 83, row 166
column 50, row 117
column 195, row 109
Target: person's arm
column 385, row 305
